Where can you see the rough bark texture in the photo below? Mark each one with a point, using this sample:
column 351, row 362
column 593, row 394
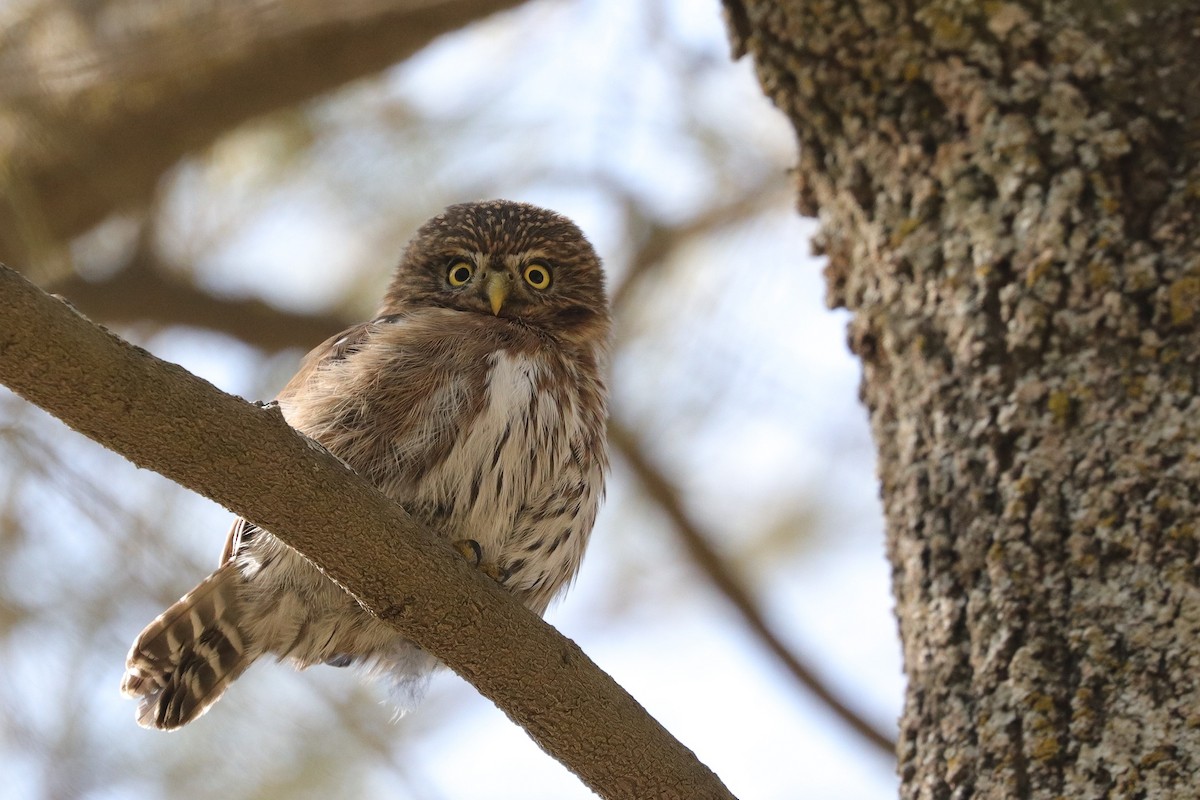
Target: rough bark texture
column 1010, row 201
column 94, row 110
column 162, row 418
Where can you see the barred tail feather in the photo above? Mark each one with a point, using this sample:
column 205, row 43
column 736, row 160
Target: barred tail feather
column 185, row 659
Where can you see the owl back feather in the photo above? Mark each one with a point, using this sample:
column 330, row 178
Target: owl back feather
column 185, row 659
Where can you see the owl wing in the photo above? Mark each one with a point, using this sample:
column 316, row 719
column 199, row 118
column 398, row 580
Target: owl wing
column 334, row 348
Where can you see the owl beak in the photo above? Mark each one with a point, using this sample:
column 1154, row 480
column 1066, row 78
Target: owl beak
column 498, row 284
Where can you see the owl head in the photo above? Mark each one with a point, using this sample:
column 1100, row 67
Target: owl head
column 509, row 261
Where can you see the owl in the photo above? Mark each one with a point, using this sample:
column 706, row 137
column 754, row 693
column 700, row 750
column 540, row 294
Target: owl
column 475, row 399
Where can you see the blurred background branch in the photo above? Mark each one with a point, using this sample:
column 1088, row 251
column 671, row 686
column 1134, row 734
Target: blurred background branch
column 101, row 98
column 717, row 571
column 145, row 291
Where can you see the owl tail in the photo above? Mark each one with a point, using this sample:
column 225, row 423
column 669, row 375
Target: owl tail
column 186, row 658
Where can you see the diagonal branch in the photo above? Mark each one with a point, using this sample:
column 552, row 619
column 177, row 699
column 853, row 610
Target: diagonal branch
column 163, row 418
column 657, row 245
column 706, row 557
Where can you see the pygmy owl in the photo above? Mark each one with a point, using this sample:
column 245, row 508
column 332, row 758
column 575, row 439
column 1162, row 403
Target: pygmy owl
column 476, row 399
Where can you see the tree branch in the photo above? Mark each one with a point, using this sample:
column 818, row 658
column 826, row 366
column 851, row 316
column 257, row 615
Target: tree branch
column 161, row 417
column 706, row 557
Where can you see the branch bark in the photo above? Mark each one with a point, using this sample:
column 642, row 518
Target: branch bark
column 91, row 115
column 249, row 460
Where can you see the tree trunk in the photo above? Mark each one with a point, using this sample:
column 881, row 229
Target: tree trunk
column 1009, row 194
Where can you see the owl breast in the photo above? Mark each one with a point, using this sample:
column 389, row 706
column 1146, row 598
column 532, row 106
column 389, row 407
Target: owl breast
column 524, row 478
column 482, row 432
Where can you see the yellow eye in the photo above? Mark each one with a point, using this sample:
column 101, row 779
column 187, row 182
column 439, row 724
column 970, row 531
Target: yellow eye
column 537, row 276
column 460, row 273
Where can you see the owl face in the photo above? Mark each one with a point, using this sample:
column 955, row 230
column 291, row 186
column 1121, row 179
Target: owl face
column 505, row 260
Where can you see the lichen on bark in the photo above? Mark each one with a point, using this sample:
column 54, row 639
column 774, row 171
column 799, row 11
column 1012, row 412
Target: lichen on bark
column 1009, row 195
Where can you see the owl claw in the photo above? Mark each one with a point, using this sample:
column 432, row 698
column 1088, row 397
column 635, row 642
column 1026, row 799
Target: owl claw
column 473, row 552
column 497, row 573
column 470, row 550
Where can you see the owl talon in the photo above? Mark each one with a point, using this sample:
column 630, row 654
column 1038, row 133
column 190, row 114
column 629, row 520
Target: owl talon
column 470, row 550
column 496, row 573
column 473, row 552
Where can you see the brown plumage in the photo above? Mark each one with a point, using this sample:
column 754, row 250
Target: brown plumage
column 475, row 399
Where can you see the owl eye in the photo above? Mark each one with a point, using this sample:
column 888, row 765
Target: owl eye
column 537, row 276
column 460, row 272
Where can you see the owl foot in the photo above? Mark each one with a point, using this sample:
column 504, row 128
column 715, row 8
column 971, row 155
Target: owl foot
column 496, row 573
column 471, row 551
